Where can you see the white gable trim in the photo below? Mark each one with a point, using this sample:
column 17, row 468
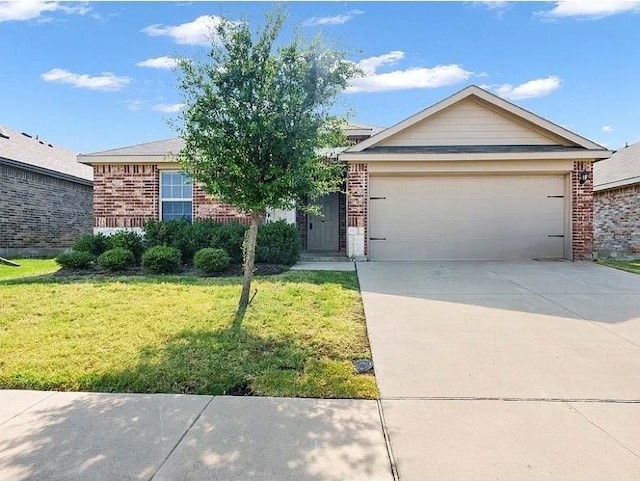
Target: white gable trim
column 488, row 97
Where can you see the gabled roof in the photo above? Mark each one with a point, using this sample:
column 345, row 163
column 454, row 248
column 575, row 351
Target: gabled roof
column 622, row 168
column 494, row 100
column 25, row 151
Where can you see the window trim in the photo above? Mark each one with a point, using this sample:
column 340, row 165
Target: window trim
column 162, row 199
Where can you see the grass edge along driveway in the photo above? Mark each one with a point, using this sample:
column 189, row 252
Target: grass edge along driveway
column 172, row 334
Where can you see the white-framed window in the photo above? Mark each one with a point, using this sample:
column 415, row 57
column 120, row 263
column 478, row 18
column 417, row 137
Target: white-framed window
column 176, row 196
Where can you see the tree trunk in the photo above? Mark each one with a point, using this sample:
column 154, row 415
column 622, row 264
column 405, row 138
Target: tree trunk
column 249, row 259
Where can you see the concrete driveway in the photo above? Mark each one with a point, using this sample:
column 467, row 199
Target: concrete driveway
column 503, row 370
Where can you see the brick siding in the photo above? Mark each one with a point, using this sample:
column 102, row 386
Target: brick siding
column 40, row 214
column 582, row 211
column 357, row 198
column 125, row 195
column 206, row 207
column 617, row 221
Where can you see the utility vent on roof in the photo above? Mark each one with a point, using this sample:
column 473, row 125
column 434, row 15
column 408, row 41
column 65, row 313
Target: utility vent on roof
column 3, row 134
column 50, row 145
column 26, row 135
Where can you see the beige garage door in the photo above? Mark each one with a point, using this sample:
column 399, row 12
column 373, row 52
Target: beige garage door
column 466, row 218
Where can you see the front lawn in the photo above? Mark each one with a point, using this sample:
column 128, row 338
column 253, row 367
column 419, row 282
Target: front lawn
column 28, row 268
column 629, row 266
column 174, row 335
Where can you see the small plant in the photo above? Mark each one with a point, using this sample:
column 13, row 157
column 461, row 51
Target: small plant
column 129, row 240
column 162, row 259
column 95, row 244
column 211, row 260
column 75, row 260
column 117, row 259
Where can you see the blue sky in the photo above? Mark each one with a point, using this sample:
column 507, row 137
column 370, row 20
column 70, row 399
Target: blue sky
column 96, row 75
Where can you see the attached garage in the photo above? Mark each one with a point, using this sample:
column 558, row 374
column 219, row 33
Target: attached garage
column 484, row 217
column 473, row 177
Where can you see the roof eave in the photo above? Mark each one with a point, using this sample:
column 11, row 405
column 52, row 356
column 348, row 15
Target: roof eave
column 48, row 172
column 348, row 156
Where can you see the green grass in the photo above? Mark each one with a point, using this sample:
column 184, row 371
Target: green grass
column 175, row 334
column 28, row 268
column 629, row 266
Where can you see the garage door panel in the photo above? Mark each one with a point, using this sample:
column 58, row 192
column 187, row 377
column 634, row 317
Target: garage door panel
column 459, row 218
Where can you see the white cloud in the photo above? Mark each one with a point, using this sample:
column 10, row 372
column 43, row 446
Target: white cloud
column 499, row 8
column 411, row 78
column 199, row 32
column 33, row 9
column 607, row 128
column 134, row 105
column 369, row 65
column 106, row 82
column 335, row 20
column 168, row 108
column 589, row 9
column 531, row 89
column 159, row 62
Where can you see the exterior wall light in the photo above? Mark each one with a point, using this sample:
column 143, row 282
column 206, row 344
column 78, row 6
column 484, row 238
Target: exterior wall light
column 584, row 176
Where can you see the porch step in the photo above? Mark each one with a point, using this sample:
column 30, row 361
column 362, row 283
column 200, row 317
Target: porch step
column 320, row 257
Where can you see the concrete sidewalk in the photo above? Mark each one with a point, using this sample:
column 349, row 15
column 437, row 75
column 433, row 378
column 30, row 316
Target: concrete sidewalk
column 81, row 436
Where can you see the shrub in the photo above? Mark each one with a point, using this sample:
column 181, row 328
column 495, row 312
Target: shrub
column 75, row 260
column 211, row 260
column 95, row 244
column 116, row 259
column 129, row 240
column 278, row 243
column 161, row 259
column 230, row 237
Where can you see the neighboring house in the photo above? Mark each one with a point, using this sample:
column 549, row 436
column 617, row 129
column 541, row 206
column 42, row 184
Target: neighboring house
column 617, row 204
column 471, row 177
column 45, row 196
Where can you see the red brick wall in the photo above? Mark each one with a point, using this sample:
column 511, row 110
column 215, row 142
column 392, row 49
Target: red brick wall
column 124, row 195
column 582, row 211
column 205, row 207
column 357, row 198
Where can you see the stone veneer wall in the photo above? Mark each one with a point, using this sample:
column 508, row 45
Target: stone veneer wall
column 41, row 214
column 617, row 222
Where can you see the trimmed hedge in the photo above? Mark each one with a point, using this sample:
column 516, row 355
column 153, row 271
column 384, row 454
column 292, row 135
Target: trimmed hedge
column 162, row 259
column 211, row 260
column 116, row 259
column 75, row 260
column 278, row 243
column 95, row 244
column 129, row 240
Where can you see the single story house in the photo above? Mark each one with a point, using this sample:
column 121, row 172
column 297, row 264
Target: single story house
column 471, row 177
column 46, row 196
column 617, row 204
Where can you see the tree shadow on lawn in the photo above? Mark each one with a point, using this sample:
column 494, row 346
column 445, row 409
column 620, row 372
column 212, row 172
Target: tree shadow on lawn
column 346, row 280
column 225, row 361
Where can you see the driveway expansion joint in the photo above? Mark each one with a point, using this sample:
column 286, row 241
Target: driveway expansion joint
column 510, row 399
column 387, row 442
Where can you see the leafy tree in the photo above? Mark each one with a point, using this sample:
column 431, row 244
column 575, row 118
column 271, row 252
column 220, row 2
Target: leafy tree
column 255, row 115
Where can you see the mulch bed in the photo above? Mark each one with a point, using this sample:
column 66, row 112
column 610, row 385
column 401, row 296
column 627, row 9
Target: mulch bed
column 231, row 271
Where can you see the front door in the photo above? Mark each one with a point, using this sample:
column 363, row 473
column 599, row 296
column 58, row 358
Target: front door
column 322, row 229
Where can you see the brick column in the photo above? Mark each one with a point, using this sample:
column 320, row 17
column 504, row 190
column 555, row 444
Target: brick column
column 357, row 202
column 582, row 211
